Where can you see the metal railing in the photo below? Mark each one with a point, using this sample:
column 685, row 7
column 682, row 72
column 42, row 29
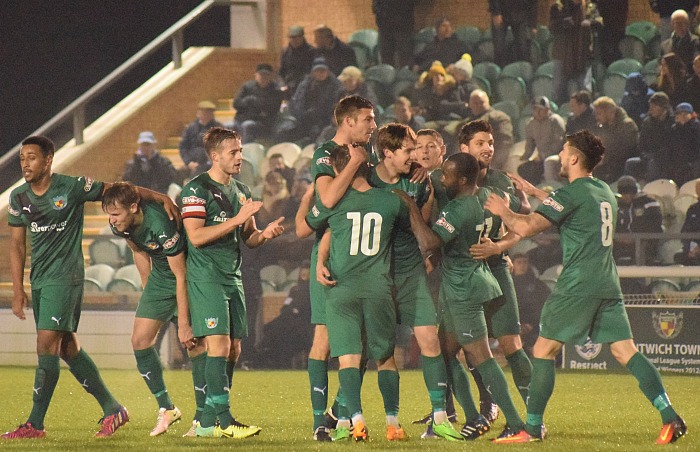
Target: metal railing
column 76, row 109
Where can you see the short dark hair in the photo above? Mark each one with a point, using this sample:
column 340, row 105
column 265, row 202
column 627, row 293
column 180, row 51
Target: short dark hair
column 391, row 137
column 431, row 133
column 46, row 146
column 582, row 97
column 589, row 146
column 348, row 106
column 339, row 158
column 217, row 135
column 466, row 165
column 122, row 193
column 472, row 128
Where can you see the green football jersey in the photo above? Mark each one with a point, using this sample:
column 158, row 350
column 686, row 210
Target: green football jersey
column 585, row 212
column 206, row 199
column 500, row 183
column 441, row 198
column 407, row 256
column 158, row 236
column 321, row 161
column 55, row 224
column 460, row 225
column 362, row 231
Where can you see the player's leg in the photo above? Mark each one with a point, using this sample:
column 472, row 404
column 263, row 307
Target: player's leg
column 351, row 381
column 318, row 378
column 239, row 325
column 198, row 358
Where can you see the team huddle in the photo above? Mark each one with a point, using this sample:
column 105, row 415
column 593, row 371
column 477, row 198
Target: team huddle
column 380, row 228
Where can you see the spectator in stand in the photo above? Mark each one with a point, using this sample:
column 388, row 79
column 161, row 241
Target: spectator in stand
column 683, row 43
column 353, row 82
column 338, row 55
column 582, row 116
column 691, row 247
column 148, row 168
column 531, row 294
column 521, row 17
column 672, row 79
column 311, row 106
column 636, row 213
column 664, row 8
column 277, row 164
column 571, row 48
column 480, row 108
column 277, row 202
column 694, row 84
column 462, row 71
column 192, row 143
column 404, row 114
column 434, row 91
column 395, row 24
column 544, row 133
column 635, row 101
column 614, row 14
column 654, row 136
column 683, row 159
column 296, row 59
column 445, row 48
column 257, row 105
column 619, row 135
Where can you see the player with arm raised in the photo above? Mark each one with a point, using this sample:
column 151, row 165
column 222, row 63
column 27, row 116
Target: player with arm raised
column 50, row 207
column 217, row 213
column 587, row 300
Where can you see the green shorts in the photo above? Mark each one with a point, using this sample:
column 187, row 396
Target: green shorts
column 464, row 319
column 158, row 301
column 217, row 309
column 414, row 303
column 502, row 317
column 351, row 319
column 572, row 319
column 317, row 292
column 57, row 308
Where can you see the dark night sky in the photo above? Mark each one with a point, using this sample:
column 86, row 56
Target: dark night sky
column 51, row 51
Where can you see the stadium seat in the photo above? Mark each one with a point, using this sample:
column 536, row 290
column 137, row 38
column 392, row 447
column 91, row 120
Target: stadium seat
column 488, row 70
column 483, row 51
column 552, row 272
column 510, row 88
column 662, row 286
column 522, row 69
column 681, row 204
column 254, row 152
column 405, row 73
column 509, row 107
column 368, row 37
column 308, row 151
column 126, row 279
column 173, row 191
column 689, row 188
column 468, row 34
column 274, row 275
column 301, row 162
column 100, row 275
column 692, row 286
column 363, row 55
column 667, row 249
column 523, row 246
column 423, row 37
column 401, row 88
column 643, row 30
column 542, row 85
column 108, row 250
column 613, row 86
column 382, row 73
column 545, row 69
column 564, row 110
column 661, row 188
column 290, row 152
column 483, row 84
column 248, row 174
column 632, row 47
column 624, row 66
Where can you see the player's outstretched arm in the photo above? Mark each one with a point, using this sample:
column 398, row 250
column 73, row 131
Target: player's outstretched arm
column 527, row 188
column 18, row 257
column 331, row 189
column 523, row 225
column 200, row 235
column 254, row 237
column 302, row 228
column 142, row 261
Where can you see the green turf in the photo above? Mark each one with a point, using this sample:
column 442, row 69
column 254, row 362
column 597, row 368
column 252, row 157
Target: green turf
column 588, row 411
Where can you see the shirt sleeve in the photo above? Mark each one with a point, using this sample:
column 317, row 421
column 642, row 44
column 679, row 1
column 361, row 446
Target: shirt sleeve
column 171, row 240
column 194, row 205
column 557, row 206
column 14, row 212
column 88, row 188
column 444, row 226
column 321, row 165
column 317, row 216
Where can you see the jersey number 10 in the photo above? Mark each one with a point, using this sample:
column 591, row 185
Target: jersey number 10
column 366, row 232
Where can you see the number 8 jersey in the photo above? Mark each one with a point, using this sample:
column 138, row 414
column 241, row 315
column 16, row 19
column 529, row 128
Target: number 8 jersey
column 585, row 211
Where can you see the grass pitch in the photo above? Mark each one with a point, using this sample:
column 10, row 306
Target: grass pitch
column 587, row 412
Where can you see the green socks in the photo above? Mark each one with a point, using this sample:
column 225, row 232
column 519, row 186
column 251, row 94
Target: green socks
column 650, row 383
column 498, row 387
column 389, row 388
column 45, row 380
column 230, row 365
column 85, row 371
column 199, row 380
column 318, row 381
column 150, row 368
column 521, row 368
column 435, row 376
column 351, row 382
column 541, row 388
column 459, row 381
column 217, row 401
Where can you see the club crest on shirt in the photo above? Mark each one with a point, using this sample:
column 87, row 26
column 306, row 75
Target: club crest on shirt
column 59, row 202
column 212, row 322
column 667, row 324
column 13, row 212
column 241, row 198
column 151, row 245
column 553, row 204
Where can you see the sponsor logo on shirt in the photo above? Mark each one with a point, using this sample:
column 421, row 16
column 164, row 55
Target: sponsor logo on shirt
column 221, row 217
column 212, row 322
column 13, row 212
column 34, row 227
column 445, row 224
column 59, row 202
column 193, row 200
column 553, row 204
column 88, row 183
column 323, row 161
column 171, row 241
